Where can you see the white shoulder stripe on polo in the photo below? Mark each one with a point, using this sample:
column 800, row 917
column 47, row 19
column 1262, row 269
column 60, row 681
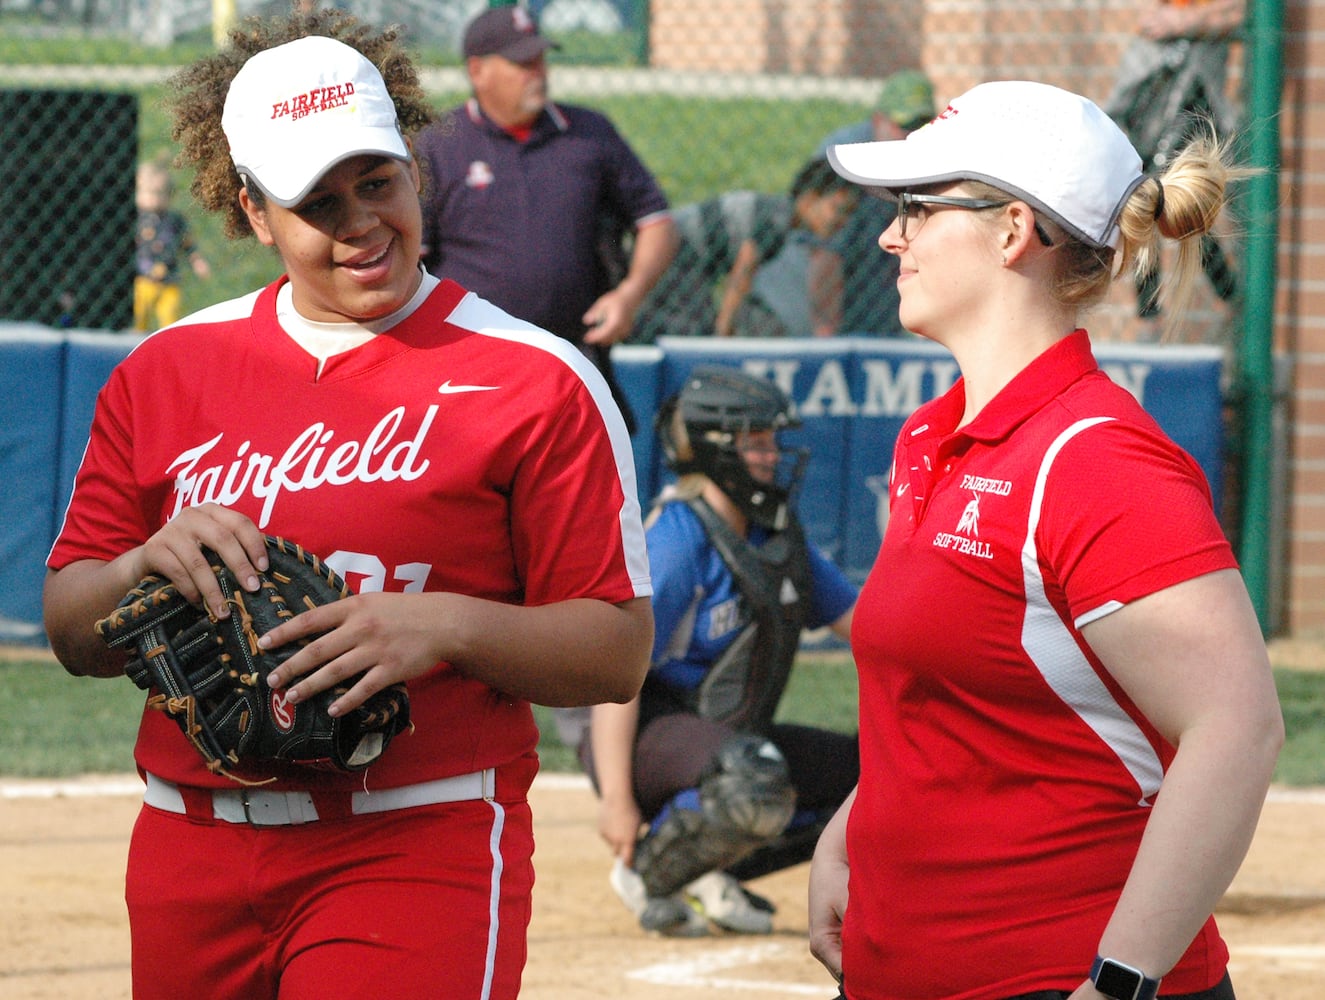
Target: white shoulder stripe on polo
column 1055, row 653
column 486, row 319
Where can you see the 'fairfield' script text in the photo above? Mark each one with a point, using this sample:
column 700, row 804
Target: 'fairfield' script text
column 310, row 461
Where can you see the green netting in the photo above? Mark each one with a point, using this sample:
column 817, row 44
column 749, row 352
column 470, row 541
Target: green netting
column 735, row 99
column 71, row 206
column 66, row 206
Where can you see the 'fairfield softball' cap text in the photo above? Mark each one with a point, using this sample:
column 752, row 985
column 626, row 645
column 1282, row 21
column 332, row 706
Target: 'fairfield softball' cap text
column 295, row 111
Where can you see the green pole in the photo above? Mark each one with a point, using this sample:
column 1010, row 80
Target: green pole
column 1264, row 61
column 641, row 10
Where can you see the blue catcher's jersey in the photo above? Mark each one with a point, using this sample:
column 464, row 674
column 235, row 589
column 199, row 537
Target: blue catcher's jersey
column 697, row 606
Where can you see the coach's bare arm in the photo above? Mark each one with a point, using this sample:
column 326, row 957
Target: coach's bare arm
column 829, row 872
column 611, row 318
column 1192, row 658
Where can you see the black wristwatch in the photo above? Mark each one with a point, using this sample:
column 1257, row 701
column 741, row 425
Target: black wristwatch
column 1121, row 981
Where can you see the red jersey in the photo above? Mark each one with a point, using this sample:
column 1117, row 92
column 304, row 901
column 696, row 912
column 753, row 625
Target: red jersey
column 1008, row 779
column 462, row 450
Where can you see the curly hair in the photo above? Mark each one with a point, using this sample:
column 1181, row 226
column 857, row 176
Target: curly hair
column 199, row 93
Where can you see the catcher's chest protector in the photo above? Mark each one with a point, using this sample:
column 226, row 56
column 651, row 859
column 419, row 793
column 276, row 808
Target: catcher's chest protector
column 744, row 686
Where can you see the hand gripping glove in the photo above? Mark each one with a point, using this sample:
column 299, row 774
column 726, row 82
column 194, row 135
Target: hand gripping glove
column 210, row 677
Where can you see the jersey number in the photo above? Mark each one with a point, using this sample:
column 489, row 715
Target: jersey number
column 370, row 573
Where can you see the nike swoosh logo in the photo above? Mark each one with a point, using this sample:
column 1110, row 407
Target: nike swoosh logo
column 446, row 387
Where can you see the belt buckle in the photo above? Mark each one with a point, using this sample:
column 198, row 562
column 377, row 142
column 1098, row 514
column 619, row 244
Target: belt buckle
column 272, row 809
column 248, row 809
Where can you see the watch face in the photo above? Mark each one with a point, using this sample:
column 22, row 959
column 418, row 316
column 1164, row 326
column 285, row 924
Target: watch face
column 1118, row 981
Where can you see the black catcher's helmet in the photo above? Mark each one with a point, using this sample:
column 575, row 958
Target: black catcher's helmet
column 699, row 428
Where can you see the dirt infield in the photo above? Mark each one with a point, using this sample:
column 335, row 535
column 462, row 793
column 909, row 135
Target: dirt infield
column 63, row 930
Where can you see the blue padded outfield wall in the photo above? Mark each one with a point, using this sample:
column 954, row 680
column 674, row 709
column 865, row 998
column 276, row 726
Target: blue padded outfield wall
column 852, row 395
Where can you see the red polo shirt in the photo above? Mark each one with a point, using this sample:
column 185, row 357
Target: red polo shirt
column 1006, row 779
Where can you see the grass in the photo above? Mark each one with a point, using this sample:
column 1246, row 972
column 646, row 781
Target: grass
column 1302, row 698
column 59, row 726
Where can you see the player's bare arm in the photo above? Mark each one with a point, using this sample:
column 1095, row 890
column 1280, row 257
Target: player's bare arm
column 1228, row 729
column 577, row 652
column 737, row 286
column 619, row 817
column 84, row 591
column 842, row 626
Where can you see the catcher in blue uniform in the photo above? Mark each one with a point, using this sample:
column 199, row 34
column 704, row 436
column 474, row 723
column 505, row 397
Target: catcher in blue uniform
column 699, row 788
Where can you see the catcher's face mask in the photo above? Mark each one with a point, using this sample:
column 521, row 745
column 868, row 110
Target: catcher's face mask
column 731, row 421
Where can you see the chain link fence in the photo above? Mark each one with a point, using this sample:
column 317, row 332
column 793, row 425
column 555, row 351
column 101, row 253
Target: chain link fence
column 66, row 207
column 725, row 100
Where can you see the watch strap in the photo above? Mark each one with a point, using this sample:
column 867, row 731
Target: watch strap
column 1121, row 981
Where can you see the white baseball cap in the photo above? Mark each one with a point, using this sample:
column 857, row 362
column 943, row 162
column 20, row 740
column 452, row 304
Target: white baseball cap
column 1053, row 149
column 296, row 110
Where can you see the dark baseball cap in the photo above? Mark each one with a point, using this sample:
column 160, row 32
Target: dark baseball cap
column 510, row 32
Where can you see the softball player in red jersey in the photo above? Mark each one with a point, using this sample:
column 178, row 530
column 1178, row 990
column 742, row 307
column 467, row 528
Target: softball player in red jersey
column 1068, row 719
column 466, row 472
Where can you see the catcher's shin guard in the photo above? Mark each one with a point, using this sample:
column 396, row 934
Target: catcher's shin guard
column 744, row 800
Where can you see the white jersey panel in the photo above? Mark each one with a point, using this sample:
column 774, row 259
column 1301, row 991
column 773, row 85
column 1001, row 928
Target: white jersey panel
column 1055, row 653
column 487, row 320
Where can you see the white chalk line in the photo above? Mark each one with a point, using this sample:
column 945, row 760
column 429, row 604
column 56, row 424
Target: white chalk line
column 107, row 787
column 1310, row 952
column 1277, row 957
column 701, row 971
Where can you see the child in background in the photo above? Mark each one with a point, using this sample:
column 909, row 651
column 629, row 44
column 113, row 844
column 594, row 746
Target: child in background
column 163, row 241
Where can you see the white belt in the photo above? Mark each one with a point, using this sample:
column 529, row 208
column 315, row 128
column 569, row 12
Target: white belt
column 259, row 807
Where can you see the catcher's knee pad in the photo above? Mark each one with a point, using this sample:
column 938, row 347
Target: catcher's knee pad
column 744, row 800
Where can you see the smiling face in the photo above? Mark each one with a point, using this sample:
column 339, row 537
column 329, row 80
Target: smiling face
column 943, row 265
column 351, row 247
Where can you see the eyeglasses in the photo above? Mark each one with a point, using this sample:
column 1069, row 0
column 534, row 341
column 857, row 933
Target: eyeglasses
column 913, row 209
